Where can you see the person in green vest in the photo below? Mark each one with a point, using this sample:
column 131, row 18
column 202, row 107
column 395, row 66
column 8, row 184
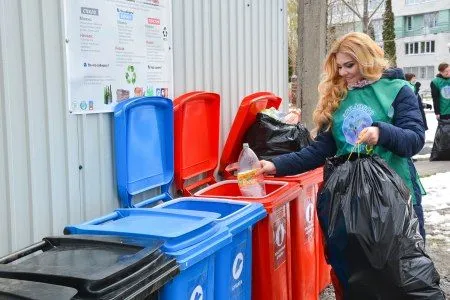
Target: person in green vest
column 361, row 103
column 440, row 92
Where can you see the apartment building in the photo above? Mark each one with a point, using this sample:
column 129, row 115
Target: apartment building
column 422, row 29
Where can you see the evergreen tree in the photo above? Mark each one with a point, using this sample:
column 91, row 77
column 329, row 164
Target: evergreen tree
column 371, row 31
column 389, row 34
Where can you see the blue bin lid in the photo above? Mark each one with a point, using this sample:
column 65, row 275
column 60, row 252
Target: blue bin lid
column 143, row 138
column 189, row 237
column 236, row 215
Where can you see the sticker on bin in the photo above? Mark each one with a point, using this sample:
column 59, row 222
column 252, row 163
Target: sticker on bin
column 197, row 285
column 237, row 283
column 197, row 294
column 279, row 235
column 309, row 220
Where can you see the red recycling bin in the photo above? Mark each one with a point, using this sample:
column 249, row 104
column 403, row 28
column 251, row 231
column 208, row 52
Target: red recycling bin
column 310, row 270
column 272, row 252
column 310, row 182
column 196, row 128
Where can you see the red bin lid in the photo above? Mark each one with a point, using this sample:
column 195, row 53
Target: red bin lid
column 245, row 117
column 196, row 127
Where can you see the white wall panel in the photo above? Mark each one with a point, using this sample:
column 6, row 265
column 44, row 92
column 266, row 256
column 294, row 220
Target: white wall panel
column 57, row 168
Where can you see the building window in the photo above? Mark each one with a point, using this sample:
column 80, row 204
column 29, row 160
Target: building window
column 374, row 4
column 378, row 29
column 419, row 47
column 421, row 72
column 430, row 72
column 430, row 20
column 408, row 22
column 409, row 2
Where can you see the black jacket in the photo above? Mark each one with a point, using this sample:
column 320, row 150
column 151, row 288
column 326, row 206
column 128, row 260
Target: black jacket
column 416, row 91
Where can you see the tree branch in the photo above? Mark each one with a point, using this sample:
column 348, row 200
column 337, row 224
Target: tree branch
column 375, row 10
column 352, row 9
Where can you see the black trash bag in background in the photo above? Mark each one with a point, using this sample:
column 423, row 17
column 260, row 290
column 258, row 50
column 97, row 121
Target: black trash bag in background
column 268, row 137
column 441, row 145
column 371, row 232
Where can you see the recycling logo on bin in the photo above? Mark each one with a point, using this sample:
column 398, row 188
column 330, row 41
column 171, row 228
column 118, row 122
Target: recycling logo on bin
column 279, row 236
column 309, row 220
column 279, row 232
column 197, row 294
column 238, row 265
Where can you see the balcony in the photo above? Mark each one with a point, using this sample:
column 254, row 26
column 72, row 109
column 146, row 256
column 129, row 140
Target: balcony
column 439, row 28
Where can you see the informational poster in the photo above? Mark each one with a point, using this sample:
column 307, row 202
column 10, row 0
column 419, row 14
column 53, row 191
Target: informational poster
column 116, row 50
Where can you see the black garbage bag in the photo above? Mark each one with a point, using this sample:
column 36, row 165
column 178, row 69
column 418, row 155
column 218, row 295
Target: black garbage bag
column 371, row 232
column 269, row 137
column 441, row 145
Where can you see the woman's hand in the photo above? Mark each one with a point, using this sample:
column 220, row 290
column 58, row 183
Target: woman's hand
column 369, row 136
column 267, row 168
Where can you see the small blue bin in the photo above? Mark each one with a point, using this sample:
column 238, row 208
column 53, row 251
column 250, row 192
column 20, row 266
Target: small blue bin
column 192, row 238
column 234, row 261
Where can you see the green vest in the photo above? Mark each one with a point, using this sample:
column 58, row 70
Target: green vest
column 358, row 110
column 443, row 85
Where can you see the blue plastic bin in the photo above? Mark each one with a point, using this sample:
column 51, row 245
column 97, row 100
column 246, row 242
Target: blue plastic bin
column 195, row 232
column 234, row 261
column 192, row 238
column 143, row 139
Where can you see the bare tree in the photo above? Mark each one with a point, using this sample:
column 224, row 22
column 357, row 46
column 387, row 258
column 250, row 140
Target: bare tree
column 365, row 16
column 292, row 6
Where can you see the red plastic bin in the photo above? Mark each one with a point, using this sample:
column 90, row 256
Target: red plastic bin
column 272, row 254
column 310, row 269
column 196, row 152
column 311, row 182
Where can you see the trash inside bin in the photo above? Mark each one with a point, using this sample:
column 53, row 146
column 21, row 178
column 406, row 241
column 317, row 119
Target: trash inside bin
column 271, row 268
column 193, row 239
column 234, row 261
column 270, row 137
column 86, row 267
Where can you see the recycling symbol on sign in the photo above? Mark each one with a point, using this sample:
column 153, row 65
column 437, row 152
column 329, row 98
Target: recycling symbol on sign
column 197, row 293
column 164, row 32
column 238, row 265
column 130, row 75
column 279, row 235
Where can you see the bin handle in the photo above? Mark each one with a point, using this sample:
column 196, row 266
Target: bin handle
column 23, row 252
column 111, row 217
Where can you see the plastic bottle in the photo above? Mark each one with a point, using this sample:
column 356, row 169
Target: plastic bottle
column 249, row 184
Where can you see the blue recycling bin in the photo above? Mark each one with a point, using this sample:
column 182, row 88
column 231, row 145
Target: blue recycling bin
column 234, row 261
column 192, row 238
column 210, row 239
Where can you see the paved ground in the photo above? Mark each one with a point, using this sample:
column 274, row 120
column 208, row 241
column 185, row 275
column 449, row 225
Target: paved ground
column 428, row 168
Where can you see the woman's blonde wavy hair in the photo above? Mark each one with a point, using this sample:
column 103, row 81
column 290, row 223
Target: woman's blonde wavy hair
column 333, row 88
